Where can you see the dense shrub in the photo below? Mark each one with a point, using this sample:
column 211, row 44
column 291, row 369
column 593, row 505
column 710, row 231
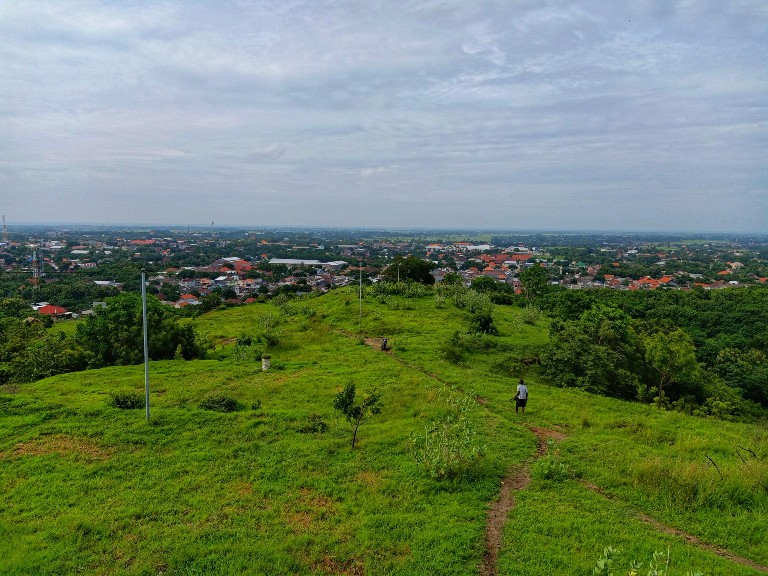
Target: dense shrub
column 127, row 400
column 449, row 447
column 220, row 403
column 461, row 342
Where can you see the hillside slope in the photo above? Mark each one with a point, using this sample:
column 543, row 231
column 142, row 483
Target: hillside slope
column 90, row 488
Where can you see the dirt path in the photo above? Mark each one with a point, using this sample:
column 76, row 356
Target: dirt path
column 689, row 538
column 518, row 479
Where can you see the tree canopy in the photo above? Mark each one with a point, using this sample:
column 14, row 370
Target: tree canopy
column 114, row 335
column 411, row 269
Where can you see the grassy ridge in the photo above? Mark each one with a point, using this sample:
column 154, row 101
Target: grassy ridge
column 87, row 487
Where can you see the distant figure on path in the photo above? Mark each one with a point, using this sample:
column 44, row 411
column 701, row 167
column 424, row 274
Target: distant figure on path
column 521, row 398
column 384, row 343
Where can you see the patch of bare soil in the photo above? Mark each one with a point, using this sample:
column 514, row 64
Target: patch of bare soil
column 518, row 479
column 689, row 538
column 375, row 343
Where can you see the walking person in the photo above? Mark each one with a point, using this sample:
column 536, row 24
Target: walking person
column 521, row 398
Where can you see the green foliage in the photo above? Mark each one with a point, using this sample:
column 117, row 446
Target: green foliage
column 356, row 413
column 716, row 320
column 251, row 352
column 658, row 565
column 484, row 284
column 127, row 400
column 220, row 403
column 740, row 482
column 314, row 507
column 471, row 301
column 29, row 351
column 745, row 371
column 449, row 447
column 315, row 425
column 409, row 268
column 452, row 279
column 531, row 315
column 114, row 335
column 599, row 353
column 462, row 342
column 673, row 357
column 49, row 355
column 533, row 280
column 482, row 321
column 553, row 469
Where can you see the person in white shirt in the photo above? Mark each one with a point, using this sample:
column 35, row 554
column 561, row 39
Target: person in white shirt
column 521, row 398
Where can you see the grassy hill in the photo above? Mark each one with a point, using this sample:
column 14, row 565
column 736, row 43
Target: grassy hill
column 91, row 488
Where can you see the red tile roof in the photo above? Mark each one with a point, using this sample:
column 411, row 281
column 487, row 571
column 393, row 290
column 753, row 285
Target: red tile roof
column 52, row 310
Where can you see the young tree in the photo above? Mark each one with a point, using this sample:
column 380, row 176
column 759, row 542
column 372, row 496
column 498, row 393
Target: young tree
column 355, row 413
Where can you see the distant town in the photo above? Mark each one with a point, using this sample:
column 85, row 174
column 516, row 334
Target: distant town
column 68, row 271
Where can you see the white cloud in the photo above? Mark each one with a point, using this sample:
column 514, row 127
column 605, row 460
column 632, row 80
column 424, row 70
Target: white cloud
column 317, row 110
column 366, row 172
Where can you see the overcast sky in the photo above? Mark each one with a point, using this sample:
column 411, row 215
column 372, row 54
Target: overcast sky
column 606, row 114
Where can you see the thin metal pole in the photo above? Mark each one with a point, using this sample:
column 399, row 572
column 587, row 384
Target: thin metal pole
column 146, row 345
column 360, row 318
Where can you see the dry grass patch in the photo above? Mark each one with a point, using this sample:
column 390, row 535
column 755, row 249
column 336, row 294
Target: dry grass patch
column 241, row 488
column 307, row 510
column 369, row 478
column 311, row 499
column 299, row 522
column 330, row 565
column 64, row 445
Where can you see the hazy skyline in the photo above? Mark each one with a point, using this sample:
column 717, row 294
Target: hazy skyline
column 614, row 115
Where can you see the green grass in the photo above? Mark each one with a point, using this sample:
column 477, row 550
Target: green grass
column 67, row 327
column 90, row 488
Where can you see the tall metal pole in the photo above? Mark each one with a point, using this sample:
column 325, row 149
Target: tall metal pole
column 146, row 345
column 360, row 318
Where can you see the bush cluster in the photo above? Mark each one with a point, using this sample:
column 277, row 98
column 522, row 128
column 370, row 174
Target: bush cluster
column 127, row 400
column 220, row 403
column 449, row 448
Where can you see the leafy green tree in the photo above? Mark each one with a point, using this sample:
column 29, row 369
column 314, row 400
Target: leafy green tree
column 481, row 320
column 452, row 279
column 599, row 353
column 16, row 308
column 410, row 268
column 746, row 372
column 114, row 335
column 672, row 356
column 534, row 282
column 171, row 292
column 484, row 284
column 228, row 293
column 356, row 413
column 210, row 301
